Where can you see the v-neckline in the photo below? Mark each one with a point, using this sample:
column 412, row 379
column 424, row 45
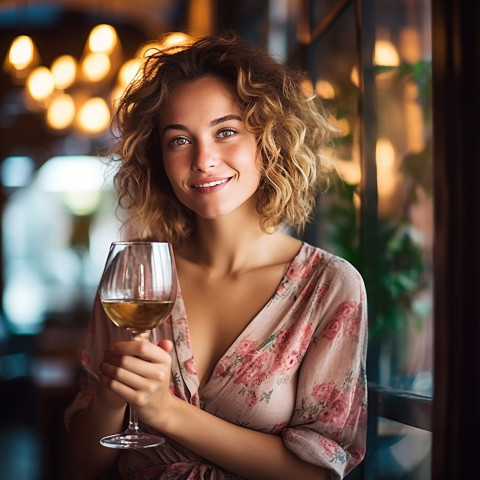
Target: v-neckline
column 187, row 351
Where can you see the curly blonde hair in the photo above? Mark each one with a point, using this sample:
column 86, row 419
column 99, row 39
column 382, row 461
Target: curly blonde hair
column 290, row 127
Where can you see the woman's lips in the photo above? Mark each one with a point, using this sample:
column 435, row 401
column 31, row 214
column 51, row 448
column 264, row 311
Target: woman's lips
column 211, row 185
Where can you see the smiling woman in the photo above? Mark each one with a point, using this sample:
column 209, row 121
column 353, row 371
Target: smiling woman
column 259, row 371
column 208, row 154
column 290, row 129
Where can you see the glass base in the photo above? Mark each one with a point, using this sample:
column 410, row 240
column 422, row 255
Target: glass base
column 132, row 440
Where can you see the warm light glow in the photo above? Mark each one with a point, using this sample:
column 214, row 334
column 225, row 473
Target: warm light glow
column 148, row 49
column 306, row 86
column 126, row 74
column 128, row 71
column 410, row 45
column 100, row 62
column 61, row 112
column 349, row 171
column 386, row 54
column 96, row 66
column 40, row 83
column 414, row 122
column 94, row 115
column 102, row 39
column 385, row 154
column 116, row 95
column 354, row 77
column 325, row 89
column 22, row 52
column 386, row 175
column 342, row 125
column 176, row 39
column 64, row 71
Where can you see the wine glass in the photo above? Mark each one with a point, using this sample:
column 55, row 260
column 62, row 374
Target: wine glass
column 138, row 290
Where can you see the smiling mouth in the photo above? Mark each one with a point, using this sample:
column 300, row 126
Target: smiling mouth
column 211, row 184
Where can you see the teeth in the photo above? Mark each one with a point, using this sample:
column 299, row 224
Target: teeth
column 211, row 184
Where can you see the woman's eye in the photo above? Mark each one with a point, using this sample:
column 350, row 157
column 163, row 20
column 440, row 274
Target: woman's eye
column 178, row 141
column 227, row 132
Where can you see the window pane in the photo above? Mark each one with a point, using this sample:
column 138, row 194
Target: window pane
column 379, row 215
column 402, row 329
column 400, row 271
column 402, row 452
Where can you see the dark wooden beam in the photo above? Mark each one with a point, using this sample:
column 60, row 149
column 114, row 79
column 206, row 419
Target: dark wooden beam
column 456, row 126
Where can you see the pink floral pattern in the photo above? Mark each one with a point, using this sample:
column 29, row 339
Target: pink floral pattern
column 297, row 370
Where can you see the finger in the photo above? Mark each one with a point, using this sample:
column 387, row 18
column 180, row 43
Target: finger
column 166, row 345
column 137, row 373
column 135, row 389
column 142, row 349
column 118, row 388
column 122, row 381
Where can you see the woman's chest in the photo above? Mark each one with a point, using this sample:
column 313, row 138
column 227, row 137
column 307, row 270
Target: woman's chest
column 256, row 382
column 220, row 309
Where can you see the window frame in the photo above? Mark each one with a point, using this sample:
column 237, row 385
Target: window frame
column 384, row 402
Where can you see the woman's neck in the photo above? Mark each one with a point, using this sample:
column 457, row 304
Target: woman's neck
column 230, row 245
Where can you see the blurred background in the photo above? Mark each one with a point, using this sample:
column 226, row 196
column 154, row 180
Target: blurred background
column 64, row 62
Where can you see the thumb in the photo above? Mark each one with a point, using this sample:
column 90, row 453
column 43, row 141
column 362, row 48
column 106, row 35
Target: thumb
column 167, row 345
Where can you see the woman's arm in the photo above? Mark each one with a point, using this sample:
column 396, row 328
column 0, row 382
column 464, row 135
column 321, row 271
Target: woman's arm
column 140, row 373
column 249, row 453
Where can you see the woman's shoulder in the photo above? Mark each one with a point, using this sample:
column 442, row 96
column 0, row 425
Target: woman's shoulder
column 326, row 264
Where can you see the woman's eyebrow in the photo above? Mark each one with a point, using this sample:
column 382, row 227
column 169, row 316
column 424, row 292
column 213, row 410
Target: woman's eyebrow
column 174, row 126
column 225, row 118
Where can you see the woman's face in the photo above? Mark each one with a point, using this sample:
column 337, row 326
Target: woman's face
column 208, row 154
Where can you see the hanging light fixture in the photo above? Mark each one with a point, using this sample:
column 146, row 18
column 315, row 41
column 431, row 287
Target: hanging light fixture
column 95, row 67
column 40, row 84
column 22, row 57
column 72, row 92
column 61, row 112
column 102, row 39
column 64, row 71
column 94, row 115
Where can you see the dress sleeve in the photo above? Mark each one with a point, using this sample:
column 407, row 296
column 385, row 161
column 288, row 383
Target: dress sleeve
column 328, row 427
column 100, row 333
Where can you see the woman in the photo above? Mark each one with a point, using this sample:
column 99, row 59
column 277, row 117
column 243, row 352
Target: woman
column 259, row 371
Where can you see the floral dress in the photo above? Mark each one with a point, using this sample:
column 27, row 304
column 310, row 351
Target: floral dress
column 297, row 370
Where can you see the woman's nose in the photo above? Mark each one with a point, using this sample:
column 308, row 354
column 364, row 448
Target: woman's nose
column 205, row 156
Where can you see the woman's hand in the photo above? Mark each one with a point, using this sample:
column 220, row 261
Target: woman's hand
column 137, row 372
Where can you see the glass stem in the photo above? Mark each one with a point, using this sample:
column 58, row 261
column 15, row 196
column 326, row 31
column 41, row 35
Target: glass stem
column 133, row 419
column 133, row 422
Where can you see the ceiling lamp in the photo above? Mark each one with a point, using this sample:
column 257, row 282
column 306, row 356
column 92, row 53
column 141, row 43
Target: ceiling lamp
column 64, row 71
column 102, row 39
column 22, row 56
column 40, row 84
column 96, row 66
column 94, row 115
column 61, row 112
column 73, row 92
column 101, row 56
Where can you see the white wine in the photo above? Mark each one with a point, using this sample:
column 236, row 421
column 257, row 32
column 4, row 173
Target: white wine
column 137, row 315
